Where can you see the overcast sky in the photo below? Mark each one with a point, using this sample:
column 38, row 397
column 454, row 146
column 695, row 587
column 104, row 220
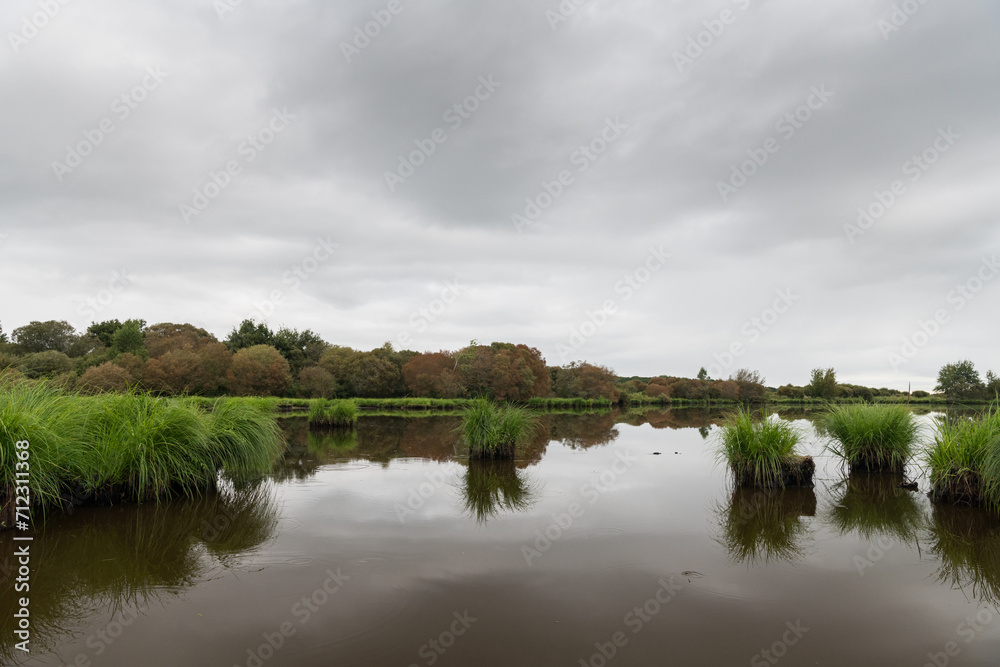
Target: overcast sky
column 667, row 99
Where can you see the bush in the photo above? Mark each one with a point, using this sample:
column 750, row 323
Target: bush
column 107, row 377
column 45, row 364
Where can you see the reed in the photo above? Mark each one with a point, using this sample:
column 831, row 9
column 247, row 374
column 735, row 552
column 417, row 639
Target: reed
column 494, row 431
column 324, row 413
column 872, row 438
column 762, row 452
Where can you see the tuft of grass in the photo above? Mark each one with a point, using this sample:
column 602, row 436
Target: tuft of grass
column 762, row 452
column 964, row 461
column 872, row 438
column 324, row 413
column 32, row 412
column 494, row 431
column 245, row 437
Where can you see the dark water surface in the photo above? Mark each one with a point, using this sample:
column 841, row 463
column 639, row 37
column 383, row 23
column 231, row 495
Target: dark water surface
column 385, row 547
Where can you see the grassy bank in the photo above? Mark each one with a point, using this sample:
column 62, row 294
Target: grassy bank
column 125, row 447
column 762, row 452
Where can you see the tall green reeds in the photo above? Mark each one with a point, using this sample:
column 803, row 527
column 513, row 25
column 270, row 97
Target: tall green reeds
column 873, row 438
column 495, row 431
column 324, row 413
column 964, row 461
column 762, row 452
column 126, row 446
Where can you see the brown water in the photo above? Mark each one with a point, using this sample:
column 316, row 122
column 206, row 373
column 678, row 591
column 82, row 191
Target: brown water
column 386, row 548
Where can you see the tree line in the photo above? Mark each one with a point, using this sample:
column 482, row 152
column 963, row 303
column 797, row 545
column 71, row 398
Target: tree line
column 254, row 360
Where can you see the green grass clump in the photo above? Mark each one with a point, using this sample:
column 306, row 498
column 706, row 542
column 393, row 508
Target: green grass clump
column 873, row 438
column 964, row 461
column 128, row 446
column 494, row 431
column 245, row 438
column 34, row 413
column 147, row 448
column 761, row 452
column 324, row 413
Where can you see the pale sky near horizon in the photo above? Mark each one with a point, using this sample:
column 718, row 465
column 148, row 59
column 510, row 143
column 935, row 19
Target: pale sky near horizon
column 644, row 185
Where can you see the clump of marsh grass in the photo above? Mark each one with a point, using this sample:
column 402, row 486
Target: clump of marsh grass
column 760, row 526
column 762, row 452
column 494, row 431
column 245, row 438
column 34, row 413
column 872, row 438
column 964, row 461
column 324, row 413
column 874, row 505
column 494, row 486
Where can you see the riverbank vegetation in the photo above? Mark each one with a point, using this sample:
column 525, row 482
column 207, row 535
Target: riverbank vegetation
column 332, row 414
column 124, row 447
column 964, row 460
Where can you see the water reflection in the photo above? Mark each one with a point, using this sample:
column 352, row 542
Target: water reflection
column 760, row 526
column 103, row 560
column 968, row 543
column 493, row 487
column 873, row 506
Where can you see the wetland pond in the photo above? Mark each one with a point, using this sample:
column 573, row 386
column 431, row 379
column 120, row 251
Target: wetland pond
column 614, row 540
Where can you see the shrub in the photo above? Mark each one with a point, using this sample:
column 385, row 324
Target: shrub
column 107, row 377
column 45, row 364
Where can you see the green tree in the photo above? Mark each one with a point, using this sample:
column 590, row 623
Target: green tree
column 104, row 331
column 45, row 364
column 960, row 381
column 992, row 385
column 301, row 349
column 823, row 384
column 43, row 336
column 129, row 339
column 703, row 375
column 249, row 334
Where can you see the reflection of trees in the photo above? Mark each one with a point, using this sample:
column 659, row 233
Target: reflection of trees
column 583, row 431
column 760, row 526
column 873, row 505
column 494, row 486
column 968, row 543
column 113, row 559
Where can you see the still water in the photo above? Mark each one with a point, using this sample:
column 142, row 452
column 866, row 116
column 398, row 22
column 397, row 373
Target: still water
column 614, row 540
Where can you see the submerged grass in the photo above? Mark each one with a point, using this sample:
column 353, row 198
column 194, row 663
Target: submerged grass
column 873, row 438
column 762, row 452
column 494, row 431
column 126, row 447
column 964, row 461
column 324, row 413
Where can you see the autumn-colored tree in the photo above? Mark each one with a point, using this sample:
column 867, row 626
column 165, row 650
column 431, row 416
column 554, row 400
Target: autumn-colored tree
column 104, row 378
column 433, row 375
column 335, row 360
column 166, row 336
column 726, row 390
column 315, row 382
column 657, row 390
column 503, row 371
column 132, row 364
column 751, row 384
column 583, row 380
column 259, row 371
